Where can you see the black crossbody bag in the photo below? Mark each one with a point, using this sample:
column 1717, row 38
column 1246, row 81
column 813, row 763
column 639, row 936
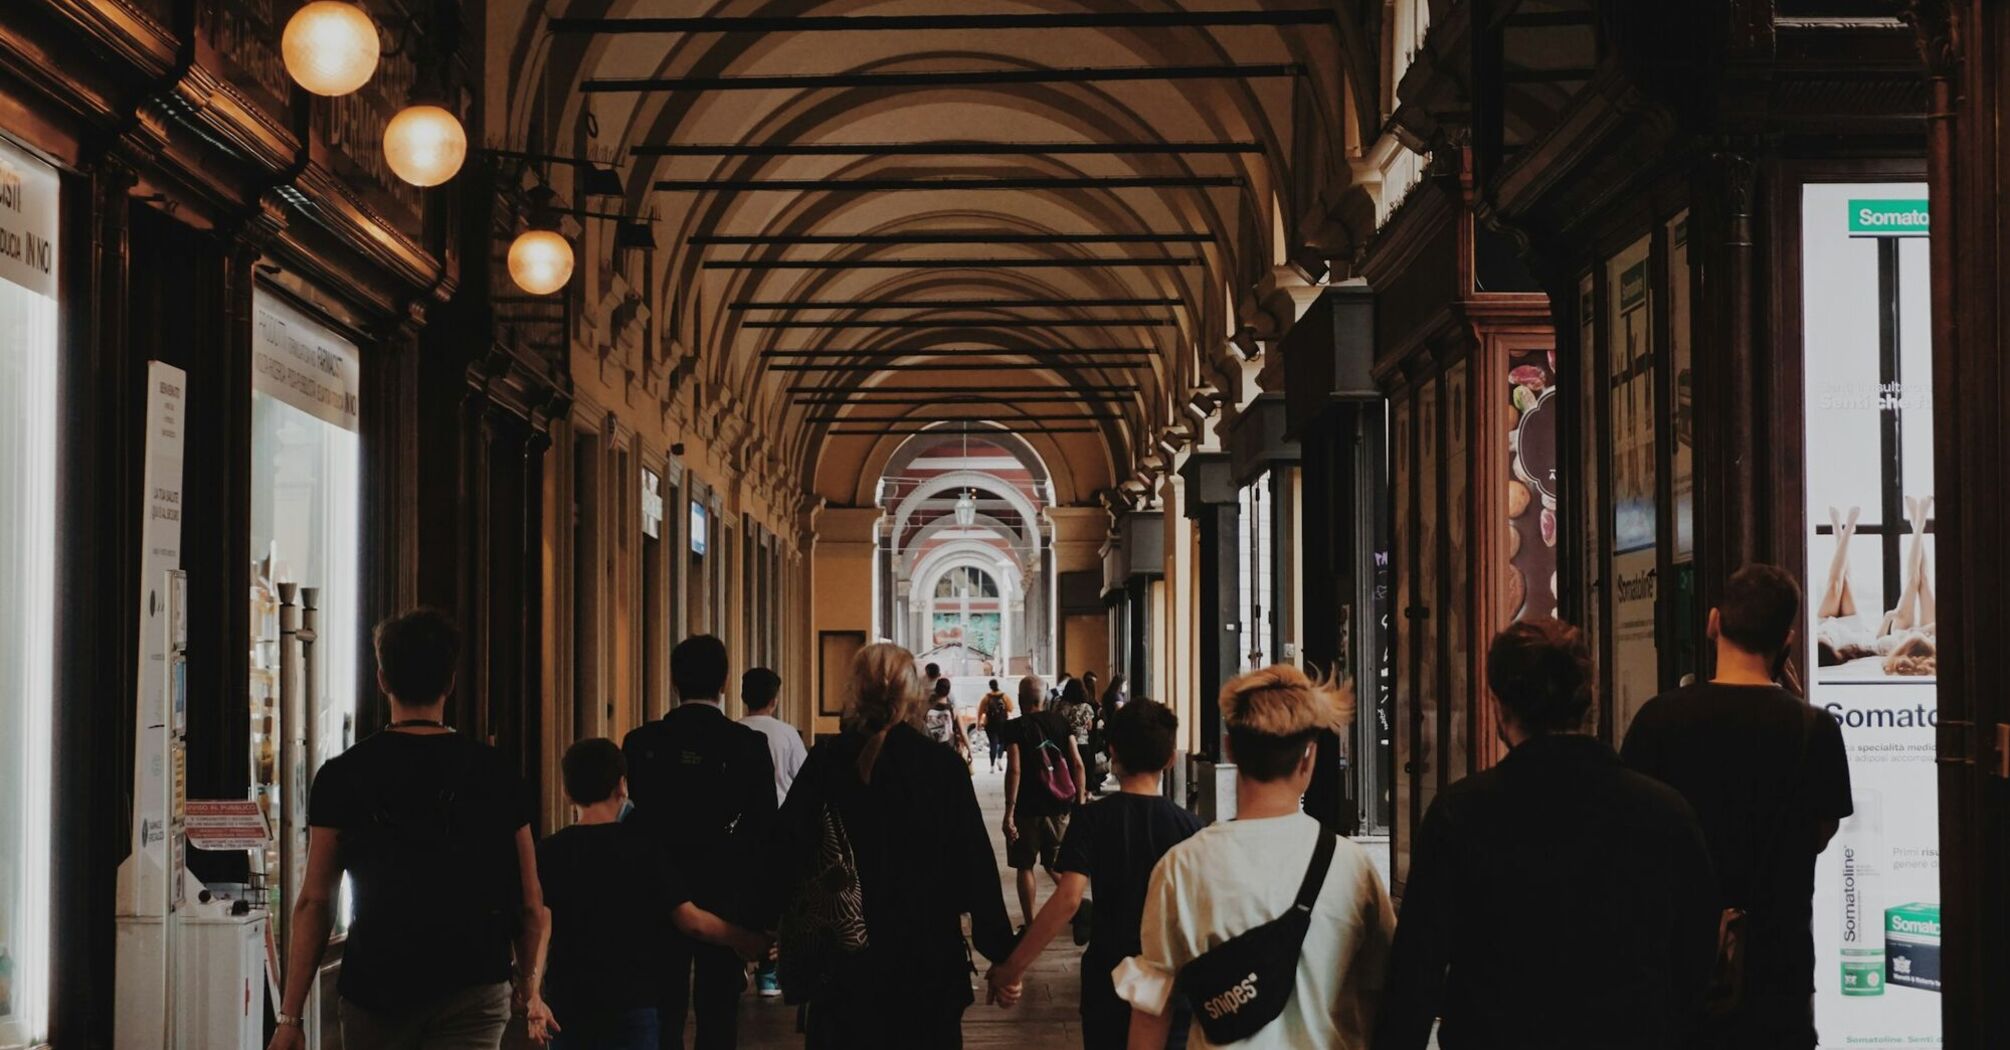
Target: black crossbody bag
column 1240, row 985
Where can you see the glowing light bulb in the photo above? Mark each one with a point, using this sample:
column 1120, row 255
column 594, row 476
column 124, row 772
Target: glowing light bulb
column 425, row 145
column 329, row 47
column 540, row 261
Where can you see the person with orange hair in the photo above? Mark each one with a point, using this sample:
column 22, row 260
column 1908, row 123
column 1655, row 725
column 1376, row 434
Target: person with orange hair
column 1258, row 876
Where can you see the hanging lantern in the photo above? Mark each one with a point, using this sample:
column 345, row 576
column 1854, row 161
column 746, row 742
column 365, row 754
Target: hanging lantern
column 966, row 509
column 540, row 261
column 329, row 47
column 425, row 145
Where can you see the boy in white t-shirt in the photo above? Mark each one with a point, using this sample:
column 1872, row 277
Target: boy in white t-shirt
column 1237, row 875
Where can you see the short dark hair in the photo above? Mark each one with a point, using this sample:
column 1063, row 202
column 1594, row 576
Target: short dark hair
column 1540, row 669
column 1074, row 692
column 592, row 768
column 994, row 685
column 759, row 687
column 1140, row 735
column 1760, row 608
column 932, row 670
column 942, row 687
column 416, row 654
column 698, row 667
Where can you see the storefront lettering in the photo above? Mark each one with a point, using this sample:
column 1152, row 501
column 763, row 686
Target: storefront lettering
column 1637, row 588
column 246, row 31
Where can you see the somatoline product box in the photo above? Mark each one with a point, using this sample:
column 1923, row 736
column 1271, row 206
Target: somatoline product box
column 1912, row 946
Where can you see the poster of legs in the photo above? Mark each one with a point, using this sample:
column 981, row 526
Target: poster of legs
column 1870, row 597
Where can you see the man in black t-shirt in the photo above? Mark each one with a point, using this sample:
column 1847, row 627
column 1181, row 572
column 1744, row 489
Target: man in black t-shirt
column 704, row 788
column 433, row 830
column 1111, row 847
column 1769, row 780
column 606, row 881
column 1035, row 820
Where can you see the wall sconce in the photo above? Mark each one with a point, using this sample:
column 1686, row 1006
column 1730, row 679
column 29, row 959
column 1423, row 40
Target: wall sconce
column 330, row 47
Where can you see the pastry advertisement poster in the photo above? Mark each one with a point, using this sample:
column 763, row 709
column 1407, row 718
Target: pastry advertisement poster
column 1871, row 606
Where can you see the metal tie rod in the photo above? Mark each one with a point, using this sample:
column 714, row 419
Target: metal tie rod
column 1033, row 182
column 1106, row 388
column 950, row 264
column 931, row 304
column 944, row 237
column 975, row 351
column 974, row 322
column 941, row 149
column 939, row 78
column 952, row 366
column 884, row 23
column 986, row 428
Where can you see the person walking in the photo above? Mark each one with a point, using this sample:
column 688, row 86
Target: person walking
column 432, row 827
column 1111, row 847
column 1115, row 696
column 604, row 880
column 1077, row 707
column 942, row 725
column 1769, row 779
column 704, row 787
column 759, row 688
column 1558, row 899
column 1043, row 779
column 923, row 862
column 1271, row 863
column 995, row 710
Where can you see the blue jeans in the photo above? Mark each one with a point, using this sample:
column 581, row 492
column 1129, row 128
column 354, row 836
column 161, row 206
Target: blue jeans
column 626, row 1030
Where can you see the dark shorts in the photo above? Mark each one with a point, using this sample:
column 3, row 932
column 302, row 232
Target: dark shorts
column 1038, row 842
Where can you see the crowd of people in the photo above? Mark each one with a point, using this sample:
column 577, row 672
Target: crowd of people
column 1569, row 896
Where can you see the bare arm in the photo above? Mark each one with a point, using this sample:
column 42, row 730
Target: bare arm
column 313, row 919
column 533, row 937
column 1012, row 775
column 1149, row 1031
column 1081, row 774
column 701, row 925
column 1054, row 915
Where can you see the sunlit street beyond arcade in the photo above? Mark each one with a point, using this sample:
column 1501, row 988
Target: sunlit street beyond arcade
column 615, row 524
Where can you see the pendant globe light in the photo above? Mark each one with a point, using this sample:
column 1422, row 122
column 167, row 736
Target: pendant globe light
column 425, row 144
column 330, row 47
column 540, row 259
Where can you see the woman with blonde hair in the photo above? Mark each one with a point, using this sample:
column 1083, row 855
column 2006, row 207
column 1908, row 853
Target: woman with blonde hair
column 923, row 861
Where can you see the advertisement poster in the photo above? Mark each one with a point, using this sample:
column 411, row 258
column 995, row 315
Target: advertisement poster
column 1869, row 404
column 1631, row 574
column 1532, row 483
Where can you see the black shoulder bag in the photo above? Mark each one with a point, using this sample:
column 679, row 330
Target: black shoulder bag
column 1726, row 990
column 1240, row 985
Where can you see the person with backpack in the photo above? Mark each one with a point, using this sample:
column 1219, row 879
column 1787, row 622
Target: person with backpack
column 995, row 710
column 1043, row 780
column 433, row 829
column 1272, row 930
column 604, row 879
column 1556, row 899
column 942, row 725
column 704, row 787
column 880, row 853
column 1111, row 848
column 1724, row 743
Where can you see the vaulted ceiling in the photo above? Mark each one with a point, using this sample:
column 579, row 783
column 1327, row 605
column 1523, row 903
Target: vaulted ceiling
column 874, row 218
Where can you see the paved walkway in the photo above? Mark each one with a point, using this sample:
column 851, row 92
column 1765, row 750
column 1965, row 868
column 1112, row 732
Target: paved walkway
column 1044, row 1020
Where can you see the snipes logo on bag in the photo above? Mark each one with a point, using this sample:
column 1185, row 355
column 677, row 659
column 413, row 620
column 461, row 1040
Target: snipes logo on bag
column 1239, row 995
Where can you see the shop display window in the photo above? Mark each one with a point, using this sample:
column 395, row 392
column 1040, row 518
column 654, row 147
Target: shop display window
column 28, row 424
column 304, row 522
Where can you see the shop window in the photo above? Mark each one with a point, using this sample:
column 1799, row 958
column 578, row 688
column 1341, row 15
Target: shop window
column 27, row 561
column 304, row 530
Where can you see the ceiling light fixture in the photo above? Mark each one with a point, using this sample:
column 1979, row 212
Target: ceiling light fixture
column 425, row 145
column 330, row 47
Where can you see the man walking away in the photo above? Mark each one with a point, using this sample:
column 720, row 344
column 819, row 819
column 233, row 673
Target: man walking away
column 1557, row 900
column 1036, row 817
column 1112, row 845
column 604, row 879
column 995, row 711
column 1769, row 779
column 758, row 689
column 705, row 788
column 942, row 725
column 433, row 829
column 1234, row 876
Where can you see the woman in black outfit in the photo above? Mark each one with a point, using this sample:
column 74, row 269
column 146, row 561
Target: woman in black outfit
column 924, row 861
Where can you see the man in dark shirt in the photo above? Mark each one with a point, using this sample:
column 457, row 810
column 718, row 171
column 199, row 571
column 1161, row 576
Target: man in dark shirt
column 1558, row 900
column 606, row 880
column 1111, row 847
column 704, row 788
column 1035, row 821
column 432, row 828
column 1769, row 779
